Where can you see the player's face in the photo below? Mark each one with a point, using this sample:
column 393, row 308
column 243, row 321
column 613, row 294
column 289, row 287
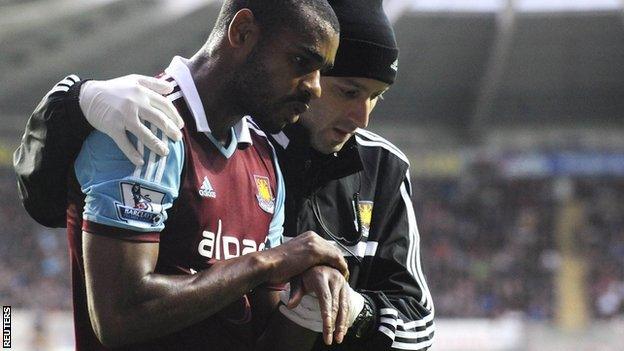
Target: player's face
column 282, row 76
column 345, row 105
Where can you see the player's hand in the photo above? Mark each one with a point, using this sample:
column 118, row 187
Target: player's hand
column 331, row 290
column 307, row 310
column 118, row 105
column 307, row 314
column 302, row 252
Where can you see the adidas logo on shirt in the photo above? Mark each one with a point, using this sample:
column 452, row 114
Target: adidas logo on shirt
column 206, row 189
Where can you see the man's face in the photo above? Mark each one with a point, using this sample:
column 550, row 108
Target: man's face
column 345, row 105
column 282, row 75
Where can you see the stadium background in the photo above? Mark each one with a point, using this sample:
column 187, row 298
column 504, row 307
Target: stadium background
column 511, row 112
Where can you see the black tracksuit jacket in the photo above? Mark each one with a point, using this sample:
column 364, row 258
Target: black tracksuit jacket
column 324, row 193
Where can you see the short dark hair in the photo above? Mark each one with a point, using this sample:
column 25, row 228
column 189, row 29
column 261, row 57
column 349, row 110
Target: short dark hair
column 277, row 15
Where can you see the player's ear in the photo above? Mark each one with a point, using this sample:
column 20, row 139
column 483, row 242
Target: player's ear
column 243, row 31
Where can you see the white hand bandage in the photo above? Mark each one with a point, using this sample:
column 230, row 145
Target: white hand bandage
column 308, row 313
column 118, row 105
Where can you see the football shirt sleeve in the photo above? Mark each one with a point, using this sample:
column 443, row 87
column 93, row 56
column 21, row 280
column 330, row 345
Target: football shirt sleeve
column 123, row 200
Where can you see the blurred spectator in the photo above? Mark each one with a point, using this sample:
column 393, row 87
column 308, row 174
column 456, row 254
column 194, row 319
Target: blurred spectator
column 35, row 266
column 488, row 244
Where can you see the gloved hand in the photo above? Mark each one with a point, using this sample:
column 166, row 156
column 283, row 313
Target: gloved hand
column 307, row 313
column 118, row 105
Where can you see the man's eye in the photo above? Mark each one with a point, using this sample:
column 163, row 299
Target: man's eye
column 350, row 93
column 300, row 60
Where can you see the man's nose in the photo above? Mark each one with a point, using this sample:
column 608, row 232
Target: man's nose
column 361, row 113
column 312, row 84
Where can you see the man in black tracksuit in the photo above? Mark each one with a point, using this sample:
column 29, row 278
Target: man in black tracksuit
column 343, row 182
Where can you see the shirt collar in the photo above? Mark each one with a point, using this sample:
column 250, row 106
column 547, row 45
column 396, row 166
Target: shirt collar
column 178, row 69
column 295, row 147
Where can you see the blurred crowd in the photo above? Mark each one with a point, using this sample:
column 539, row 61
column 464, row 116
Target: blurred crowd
column 488, row 246
column 601, row 239
column 35, row 264
column 488, row 243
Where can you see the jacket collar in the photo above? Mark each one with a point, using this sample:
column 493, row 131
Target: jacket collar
column 295, row 142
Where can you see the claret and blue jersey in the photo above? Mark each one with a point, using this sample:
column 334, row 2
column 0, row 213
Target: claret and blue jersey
column 224, row 201
column 202, row 203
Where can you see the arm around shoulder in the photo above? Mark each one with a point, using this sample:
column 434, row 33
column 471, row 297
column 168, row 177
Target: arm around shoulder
column 47, row 150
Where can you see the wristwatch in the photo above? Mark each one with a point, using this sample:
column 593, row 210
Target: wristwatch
column 365, row 320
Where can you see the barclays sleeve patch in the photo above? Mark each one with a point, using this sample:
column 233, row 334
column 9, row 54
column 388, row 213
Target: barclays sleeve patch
column 140, row 204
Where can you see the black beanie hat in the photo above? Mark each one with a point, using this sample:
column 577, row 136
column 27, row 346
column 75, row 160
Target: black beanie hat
column 368, row 47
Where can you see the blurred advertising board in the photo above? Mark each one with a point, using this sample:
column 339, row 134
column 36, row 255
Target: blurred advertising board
column 563, row 164
column 453, row 164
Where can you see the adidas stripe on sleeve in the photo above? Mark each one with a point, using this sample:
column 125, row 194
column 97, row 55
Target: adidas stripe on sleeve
column 122, row 195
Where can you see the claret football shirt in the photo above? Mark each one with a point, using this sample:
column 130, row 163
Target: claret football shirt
column 202, row 203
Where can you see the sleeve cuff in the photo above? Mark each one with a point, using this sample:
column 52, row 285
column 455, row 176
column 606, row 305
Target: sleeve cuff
column 370, row 327
column 80, row 127
column 120, row 233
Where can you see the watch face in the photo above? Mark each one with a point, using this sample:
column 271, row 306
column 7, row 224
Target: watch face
column 364, row 320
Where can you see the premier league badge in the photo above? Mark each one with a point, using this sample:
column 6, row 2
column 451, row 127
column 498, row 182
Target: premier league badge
column 140, row 204
column 264, row 195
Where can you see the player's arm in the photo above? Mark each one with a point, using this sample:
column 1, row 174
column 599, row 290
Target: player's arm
column 278, row 332
column 128, row 301
column 64, row 118
column 47, row 150
column 316, row 302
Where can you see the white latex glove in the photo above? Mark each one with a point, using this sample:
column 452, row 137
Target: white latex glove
column 118, row 105
column 308, row 313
